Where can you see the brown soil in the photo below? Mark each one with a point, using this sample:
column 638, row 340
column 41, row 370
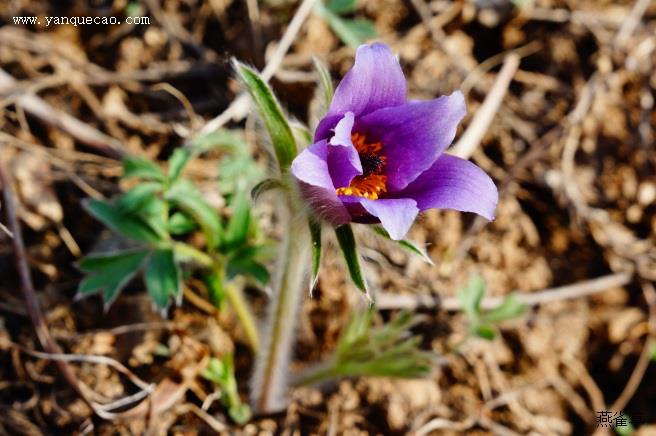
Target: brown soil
column 571, row 149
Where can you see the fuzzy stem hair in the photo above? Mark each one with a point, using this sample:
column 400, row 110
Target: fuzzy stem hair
column 270, row 379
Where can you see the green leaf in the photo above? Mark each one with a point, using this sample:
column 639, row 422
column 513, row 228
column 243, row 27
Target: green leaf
column 249, row 267
column 387, row 351
column 162, row 277
column 237, row 231
column 186, row 197
column 276, row 123
column 315, row 233
column 180, row 224
column 325, row 85
column 263, row 186
column 240, row 413
column 109, row 273
column 217, row 293
column 222, row 373
column 237, row 169
column 221, row 139
column 349, row 250
column 177, row 162
column 342, row 6
column 133, row 199
column 142, row 168
column 653, row 353
column 359, row 30
column 125, row 224
column 405, row 244
column 624, row 430
column 352, row 32
column 485, row 331
column 154, row 212
column 471, row 296
column 510, row 308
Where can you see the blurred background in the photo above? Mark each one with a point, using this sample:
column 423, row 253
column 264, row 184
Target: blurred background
column 560, row 97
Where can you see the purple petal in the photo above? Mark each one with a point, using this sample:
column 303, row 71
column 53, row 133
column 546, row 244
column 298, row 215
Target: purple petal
column 375, row 81
column 325, row 204
column 396, row 215
column 413, row 135
column 343, row 160
column 454, row 183
column 310, row 167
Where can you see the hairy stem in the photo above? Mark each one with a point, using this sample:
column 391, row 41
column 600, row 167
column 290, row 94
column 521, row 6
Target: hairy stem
column 270, row 380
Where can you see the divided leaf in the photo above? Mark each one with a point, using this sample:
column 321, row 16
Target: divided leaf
column 275, row 121
column 352, row 32
column 154, row 211
column 482, row 323
column 387, row 351
column 222, row 373
column 109, row 273
column 342, row 6
column 180, row 224
column 239, row 265
column 215, row 288
column 162, row 277
column 509, row 308
column 186, row 197
column 239, row 224
column 133, row 199
column 142, row 168
column 120, row 222
column 471, row 296
column 177, row 162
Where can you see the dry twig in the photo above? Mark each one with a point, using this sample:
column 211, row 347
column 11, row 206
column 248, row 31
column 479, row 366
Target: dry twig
column 578, row 290
column 472, row 137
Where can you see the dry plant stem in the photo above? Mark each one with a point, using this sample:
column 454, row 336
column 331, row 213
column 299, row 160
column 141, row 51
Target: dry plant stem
column 84, row 133
column 270, row 379
column 239, row 107
column 645, row 356
column 577, row 290
column 89, row 358
column 472, row 137
column 27, row 288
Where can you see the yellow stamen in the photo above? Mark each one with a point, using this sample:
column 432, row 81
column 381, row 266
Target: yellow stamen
column 369, row 185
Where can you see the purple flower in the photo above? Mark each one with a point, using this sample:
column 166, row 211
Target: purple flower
column 378, row 157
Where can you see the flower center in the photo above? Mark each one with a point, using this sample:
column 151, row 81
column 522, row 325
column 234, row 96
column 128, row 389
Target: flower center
column 371, row 183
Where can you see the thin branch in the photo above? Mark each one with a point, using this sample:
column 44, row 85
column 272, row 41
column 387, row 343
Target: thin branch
column 6, row 231
column 240, row 106
column 631, row 22
column 27, row 287
column 472, row 137
column 645, row 356
column 578, row 290
column 84, row 133
column 89, row 358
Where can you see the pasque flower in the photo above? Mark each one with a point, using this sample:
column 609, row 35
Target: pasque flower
column 378, row 157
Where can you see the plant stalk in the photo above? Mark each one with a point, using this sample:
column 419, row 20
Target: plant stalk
column 243, row 312
column 234, row 293
column 270, row 379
